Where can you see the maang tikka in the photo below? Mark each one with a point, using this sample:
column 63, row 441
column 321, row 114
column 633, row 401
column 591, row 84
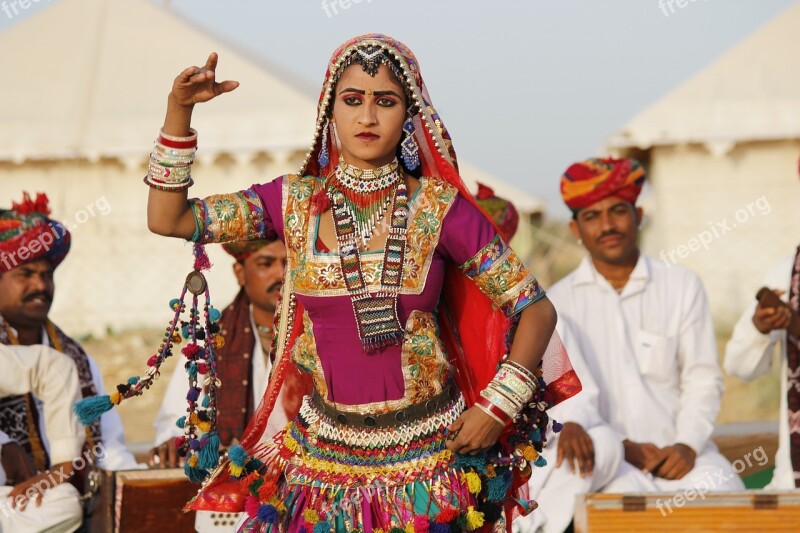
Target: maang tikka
column 409, row 150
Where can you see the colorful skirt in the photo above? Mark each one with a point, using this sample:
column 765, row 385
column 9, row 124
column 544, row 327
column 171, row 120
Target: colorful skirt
column 320, row 475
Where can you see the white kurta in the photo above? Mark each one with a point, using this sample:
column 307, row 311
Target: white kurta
column 53, row 378
column 647, row 360
column 174, row 404
column 651, row 350
column 115, row 454
column 749, row 354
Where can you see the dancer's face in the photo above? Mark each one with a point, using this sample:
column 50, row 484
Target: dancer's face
column 369, row 114
column 261, row 275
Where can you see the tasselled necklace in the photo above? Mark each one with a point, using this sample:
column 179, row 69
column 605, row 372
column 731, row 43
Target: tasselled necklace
column 355, row 216
column 366, row 194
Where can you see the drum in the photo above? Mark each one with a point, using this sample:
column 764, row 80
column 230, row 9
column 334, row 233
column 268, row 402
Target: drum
column 688, row 510
column 144, row 500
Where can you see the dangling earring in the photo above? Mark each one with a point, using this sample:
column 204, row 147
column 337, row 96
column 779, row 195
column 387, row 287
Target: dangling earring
column 324, row 156
column 408, row 147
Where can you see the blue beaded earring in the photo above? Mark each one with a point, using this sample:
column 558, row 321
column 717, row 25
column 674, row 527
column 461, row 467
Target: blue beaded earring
column 408, row 147
column 324, row 156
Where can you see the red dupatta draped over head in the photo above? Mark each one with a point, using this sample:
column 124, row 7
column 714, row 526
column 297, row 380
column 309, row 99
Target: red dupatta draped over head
column 474, row 333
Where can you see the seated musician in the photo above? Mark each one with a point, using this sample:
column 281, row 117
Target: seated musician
column 32, row 246
column 640, row 337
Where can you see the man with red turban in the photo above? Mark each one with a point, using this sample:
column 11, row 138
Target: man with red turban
column 32, row 246
column 640, row 337
column 502, row 211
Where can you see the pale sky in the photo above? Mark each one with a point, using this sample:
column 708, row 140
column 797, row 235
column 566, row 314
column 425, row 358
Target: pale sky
column 525, row 87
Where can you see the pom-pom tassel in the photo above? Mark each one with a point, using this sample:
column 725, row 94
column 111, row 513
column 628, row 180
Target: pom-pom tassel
column 209, row 454
column 320, row 202
column 474, row 519
column 251, row 505
column 90, row 409
column 497, row 487
column 267, row 514
column 195, row 475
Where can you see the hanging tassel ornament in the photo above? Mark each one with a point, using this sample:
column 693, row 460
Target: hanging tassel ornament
column 409, row 150
column 200, row 443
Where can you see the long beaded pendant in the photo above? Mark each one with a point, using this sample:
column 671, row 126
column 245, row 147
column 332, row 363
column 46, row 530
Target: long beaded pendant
column 366, row 195
column 376, row 315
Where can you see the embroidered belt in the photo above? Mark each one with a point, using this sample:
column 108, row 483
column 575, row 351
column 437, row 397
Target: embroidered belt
column 414, row 412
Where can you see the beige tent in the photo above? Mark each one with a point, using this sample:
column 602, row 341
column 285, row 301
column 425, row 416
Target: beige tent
column 90, row 81
column 722, row 151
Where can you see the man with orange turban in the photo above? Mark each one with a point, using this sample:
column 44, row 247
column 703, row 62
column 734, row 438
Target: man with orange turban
column 640, row 337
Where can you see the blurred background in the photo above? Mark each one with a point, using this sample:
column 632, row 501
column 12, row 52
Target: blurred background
column 704, row 93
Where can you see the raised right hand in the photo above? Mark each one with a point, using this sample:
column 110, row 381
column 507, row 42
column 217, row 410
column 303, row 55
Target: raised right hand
column 198, row 84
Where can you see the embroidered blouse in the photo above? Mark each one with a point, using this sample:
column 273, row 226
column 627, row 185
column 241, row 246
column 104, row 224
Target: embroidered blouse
column 442, row 227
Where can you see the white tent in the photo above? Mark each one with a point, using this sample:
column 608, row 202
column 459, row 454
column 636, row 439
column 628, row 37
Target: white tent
column 749, row 94
column 89, row 79
column 721, row 151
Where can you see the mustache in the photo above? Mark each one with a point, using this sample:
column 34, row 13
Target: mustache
column 612, row 233
column 276, row 285
column 32, row 296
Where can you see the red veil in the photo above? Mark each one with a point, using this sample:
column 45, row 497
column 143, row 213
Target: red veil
column 473, row 331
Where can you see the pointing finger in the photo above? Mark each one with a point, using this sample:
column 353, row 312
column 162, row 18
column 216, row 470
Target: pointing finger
column 211, row 63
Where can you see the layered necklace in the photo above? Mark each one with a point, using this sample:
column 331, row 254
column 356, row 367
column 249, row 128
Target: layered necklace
column 359, row 198
column 366, row 194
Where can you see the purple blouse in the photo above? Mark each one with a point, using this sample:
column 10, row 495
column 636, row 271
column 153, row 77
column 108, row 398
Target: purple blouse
column 443, row 227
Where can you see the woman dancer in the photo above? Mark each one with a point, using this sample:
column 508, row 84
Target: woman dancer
column 400, row 300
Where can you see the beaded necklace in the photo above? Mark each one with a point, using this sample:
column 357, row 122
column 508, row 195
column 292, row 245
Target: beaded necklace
column 366, row 194
column 376, row 316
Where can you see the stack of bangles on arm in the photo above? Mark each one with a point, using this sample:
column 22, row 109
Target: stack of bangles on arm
column 171, row 162
column 508, row 393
